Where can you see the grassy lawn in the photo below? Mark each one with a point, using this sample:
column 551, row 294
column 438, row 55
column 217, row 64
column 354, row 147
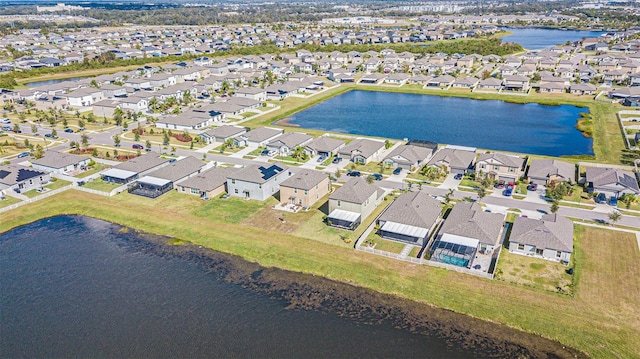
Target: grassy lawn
column 99, row 185
column 232, row 209
column 98, row 167
column 8, row 201
column 602, row 318
column 371, row 167
column 51, row 186
column 414, row 252
column 248, row 114
column 521, row 188
column 377, row 242
column 420, row 177
column 466, row 181
column 579, row 195
column 533, row 272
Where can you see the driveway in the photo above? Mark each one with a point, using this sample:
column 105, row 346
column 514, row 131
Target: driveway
column 450, row 182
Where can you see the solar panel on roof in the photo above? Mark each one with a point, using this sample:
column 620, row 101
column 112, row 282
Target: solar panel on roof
column 4, row 173
column 24, row 174
column 269, row 172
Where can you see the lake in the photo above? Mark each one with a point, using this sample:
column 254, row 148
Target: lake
column 53, row 82
column 74, row 286
column 488, row 124
column 538, row 39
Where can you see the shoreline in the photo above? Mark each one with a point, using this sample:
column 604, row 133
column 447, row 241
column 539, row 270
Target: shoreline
column 309, row 292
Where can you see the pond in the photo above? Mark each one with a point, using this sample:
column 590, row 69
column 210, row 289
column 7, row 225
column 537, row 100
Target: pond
column 538, row 39
column 488, row 124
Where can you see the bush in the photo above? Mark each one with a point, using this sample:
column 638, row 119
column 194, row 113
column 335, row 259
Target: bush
column 182, row 137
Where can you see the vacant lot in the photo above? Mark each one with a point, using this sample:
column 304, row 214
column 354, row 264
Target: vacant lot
column 533, row 272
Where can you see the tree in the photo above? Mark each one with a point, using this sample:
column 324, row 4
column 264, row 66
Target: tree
column 136, row 136
column 116, row 140
column 614, row 216
column 554, row 207
column 387, row 144
column 165, row 140
column 482, row 192
column 34, row 129
column 65, row 122
column 85, row 140
column 81, row 123
column 370, row 179
column 448, row 196
column 125, row 125
column 16, row 128
column 54, row 133
column 147, row 145
column 627, row 199
column 38, row 152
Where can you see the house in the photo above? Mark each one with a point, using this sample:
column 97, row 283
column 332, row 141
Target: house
column 257, row 181
column 324, row 146
column 304, row 188
column 582, row 89
column 262, row 135
column 134, row 168
column 60, row 162
column 454, row 159
column 409, row 157
column 410, row 218
column 286, row 143
column 207, row 184
column 353, row 202
column 162, row 180
column 489, row 83
column 545, row 171
column 498, row 166
column 361, row 150
column 466, row 232
column 611, row 181
column 84, row 97
column 549, row 238
column 223, row 134
column 552, row 87
column 22, row 179
column 186, row 121
column 516, row 83
column 253, row 93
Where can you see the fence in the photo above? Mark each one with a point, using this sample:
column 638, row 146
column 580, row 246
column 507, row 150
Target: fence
column 35, row 199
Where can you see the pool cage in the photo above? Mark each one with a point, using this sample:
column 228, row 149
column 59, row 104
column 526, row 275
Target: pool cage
column 452, row 253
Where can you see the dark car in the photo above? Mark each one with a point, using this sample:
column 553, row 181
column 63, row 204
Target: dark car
column 24, row 154
column 533, row 186
column 50, row 135
column 613, row 201
column 458, row 176
column 68, row 130
column 137, row 146
column 500, row 184
column 336, row 159
column 354, row 173
column 397, row 171
column 507, row 192
column 601, row 198
column 377, row 176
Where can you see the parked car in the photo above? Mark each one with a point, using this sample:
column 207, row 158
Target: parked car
column 264, row 153
column 336, row 160
column 354, row 173
column 68, row 130
column 458, row 177
column 137, row 146
column 397, row 171
column 601, row 198
column 377, row 176
column 272, row 153
column 321, row 158
column 500, row 184
column 172, row 160
column 5, row 121
column 50, row 135
column 613, row 201
column 533, row 186
column 7, row 128
column 23, row 154
column 507, row 191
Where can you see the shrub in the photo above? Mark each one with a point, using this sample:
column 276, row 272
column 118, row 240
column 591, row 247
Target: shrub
column 182, row 137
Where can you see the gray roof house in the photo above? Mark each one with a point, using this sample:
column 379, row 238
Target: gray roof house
column 467, row 231
column 611, row 181
column 498, row 166
column 454, row 160
column 549, row 238
column 286, row 143
column 21, row 178
column 361, row 150
column 134, row 168
column 61, row 162
column 353, row 202
column 410, row 218
column 545, row 171
column 162, row 180
column 324, row 145
column 262, row 135
column 257, row 181
column 409, row 157
column 223, row 133
column 207, row 184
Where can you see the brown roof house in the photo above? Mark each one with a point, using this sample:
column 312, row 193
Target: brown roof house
column 304, row 188
column 410, row 218
column 207, row 184
column 545, row 171
column 353, row 202
column 361, row 150
column 549, row 238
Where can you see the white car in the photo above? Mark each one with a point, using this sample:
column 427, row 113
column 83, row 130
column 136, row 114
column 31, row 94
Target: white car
column 5, row 121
